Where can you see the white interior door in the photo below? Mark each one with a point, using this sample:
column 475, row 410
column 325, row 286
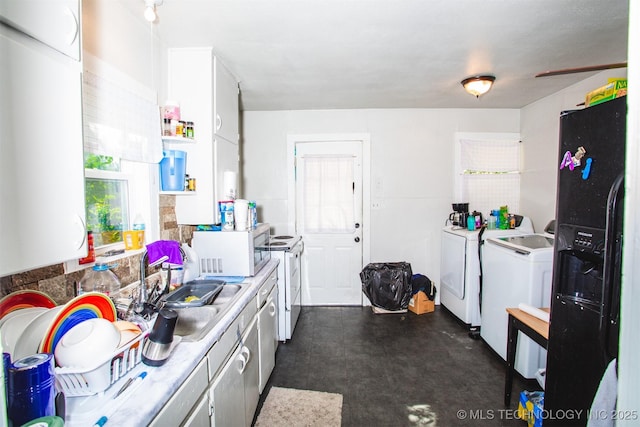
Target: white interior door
column 328, row 185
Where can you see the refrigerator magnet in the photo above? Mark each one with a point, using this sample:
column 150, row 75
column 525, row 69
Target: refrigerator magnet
column 567, row 161
column 587, row 168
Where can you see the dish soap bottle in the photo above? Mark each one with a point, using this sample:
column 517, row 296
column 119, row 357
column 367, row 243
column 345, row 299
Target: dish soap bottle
column 100, row 279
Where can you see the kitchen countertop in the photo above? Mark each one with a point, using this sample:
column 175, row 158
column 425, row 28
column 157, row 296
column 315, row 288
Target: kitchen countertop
column 140, row 406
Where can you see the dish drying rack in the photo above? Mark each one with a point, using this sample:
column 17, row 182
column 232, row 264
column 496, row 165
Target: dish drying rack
column 96, row 379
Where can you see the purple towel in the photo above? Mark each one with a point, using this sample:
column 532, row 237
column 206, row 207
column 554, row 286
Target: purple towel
column 160, row 248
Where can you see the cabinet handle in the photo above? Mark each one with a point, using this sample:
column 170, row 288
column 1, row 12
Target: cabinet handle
column 272, row 309
column 243, row 362
column 82, row 231
column 73, row 27
column 245, row 350
column 218, row 122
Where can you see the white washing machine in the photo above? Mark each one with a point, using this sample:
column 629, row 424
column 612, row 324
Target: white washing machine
column 460, row 269
column 516, row 270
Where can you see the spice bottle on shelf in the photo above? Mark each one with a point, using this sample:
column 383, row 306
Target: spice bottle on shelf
column 189, row 131
column 166, row 127
column 99, row 279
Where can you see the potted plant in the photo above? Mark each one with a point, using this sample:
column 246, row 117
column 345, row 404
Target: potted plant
column 106, row 221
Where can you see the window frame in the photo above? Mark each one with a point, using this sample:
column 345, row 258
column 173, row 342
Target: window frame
column 459, row 173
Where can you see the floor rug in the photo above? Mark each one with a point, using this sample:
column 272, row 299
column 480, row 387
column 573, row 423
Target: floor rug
column 296, row 408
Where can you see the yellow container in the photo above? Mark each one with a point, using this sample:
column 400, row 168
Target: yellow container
column 133, row 239
column 615, row 88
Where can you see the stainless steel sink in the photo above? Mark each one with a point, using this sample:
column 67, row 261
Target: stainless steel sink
column 228, row 292
column 195, row 322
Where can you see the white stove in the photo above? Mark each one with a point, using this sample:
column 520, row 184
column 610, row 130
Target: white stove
column 283, row 242
column 288, row 250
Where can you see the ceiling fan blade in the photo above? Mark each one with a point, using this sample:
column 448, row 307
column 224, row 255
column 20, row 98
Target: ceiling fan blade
column 582, row 69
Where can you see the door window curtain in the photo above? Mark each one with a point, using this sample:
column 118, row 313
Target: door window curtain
column 328, row 194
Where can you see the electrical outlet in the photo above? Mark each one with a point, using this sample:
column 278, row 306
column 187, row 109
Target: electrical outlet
column 376, row 205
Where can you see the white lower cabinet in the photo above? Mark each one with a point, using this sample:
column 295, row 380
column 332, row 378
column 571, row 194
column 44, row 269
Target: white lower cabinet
column 268, row 335
column 251, row 373
column 227, row 393
column 184, row 399
column 224, row 389
column 234, row 393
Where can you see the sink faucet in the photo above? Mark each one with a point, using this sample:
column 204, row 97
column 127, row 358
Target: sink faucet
column 143, row 306
column 143, row 296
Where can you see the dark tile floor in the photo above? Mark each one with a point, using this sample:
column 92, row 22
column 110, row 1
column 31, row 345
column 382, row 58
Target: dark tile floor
column 397, row 369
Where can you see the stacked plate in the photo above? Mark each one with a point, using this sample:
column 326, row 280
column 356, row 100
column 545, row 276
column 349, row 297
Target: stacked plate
column 30, row 322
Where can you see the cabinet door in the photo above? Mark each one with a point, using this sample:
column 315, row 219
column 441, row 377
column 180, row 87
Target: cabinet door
column 201, row 416
column 184, row 399
column 227, row 393
column 42, row 214
column 268, row 336
column 53, row 22
column 251, row 373
column 225, row 103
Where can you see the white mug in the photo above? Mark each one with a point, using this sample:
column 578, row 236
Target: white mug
column 241, row 211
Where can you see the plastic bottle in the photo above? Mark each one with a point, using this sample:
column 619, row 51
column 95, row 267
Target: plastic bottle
column 99, row 279
column 471, row 223
column 138, row 225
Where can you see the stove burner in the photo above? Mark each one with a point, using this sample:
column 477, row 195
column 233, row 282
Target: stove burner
column 282, row 237
column 278, row 244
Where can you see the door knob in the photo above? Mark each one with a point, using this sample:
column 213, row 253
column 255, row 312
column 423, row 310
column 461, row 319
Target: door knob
column 357, row 239
column 357, row 225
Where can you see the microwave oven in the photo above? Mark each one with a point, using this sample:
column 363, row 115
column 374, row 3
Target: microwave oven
column 232, row 253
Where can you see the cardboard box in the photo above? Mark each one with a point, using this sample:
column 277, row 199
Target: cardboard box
column 420, row 304
column 614, row 88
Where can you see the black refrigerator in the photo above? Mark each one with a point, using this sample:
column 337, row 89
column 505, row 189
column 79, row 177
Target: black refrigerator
column 584, row 319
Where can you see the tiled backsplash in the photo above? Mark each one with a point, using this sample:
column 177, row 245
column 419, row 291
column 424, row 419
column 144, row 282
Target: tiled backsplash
column 62, row 287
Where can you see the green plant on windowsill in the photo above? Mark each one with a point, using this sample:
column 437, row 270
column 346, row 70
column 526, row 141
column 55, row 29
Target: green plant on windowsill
column 109, row 224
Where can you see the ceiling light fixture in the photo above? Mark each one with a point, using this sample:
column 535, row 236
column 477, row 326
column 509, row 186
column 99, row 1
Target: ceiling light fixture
column 478, row 85
column 150, row 9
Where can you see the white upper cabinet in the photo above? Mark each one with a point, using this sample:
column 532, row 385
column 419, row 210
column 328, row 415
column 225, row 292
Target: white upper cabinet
column 53, row 22
column 197, row 82
column 225, row 102
column 42, row 213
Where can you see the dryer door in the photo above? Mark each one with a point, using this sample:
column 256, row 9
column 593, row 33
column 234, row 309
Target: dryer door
column 452, row 263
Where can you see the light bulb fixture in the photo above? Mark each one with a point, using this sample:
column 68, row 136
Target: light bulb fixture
column 150, row 9
column 478, row 85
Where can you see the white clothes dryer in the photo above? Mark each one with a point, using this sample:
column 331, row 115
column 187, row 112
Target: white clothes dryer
column 517, row 270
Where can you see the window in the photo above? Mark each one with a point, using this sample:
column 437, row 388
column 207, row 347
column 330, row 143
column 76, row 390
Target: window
column 122, row 145
column 106, row 199
column 488, row 171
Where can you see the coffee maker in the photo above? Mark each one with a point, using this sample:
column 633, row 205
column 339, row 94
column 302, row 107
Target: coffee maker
column 459, row 215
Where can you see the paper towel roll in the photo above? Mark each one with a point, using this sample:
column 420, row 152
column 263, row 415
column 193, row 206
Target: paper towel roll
column 229, row 185
column 536, row 312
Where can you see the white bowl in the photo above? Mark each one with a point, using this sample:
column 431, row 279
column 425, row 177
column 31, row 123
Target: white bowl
column 87, row 344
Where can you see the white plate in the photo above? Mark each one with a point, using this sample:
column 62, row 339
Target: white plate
column 14, row 324
column 32, row 335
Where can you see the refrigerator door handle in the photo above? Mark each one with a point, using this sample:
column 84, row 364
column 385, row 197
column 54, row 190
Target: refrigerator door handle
column 611, row 246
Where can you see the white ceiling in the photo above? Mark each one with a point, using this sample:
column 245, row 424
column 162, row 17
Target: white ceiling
column 325, row 54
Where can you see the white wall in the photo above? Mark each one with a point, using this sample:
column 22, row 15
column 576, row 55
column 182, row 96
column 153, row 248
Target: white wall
column 540, row 127
column 411, row 170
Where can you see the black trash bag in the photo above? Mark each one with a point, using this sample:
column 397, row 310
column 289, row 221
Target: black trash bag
column 387, row 285
column 420, row 282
